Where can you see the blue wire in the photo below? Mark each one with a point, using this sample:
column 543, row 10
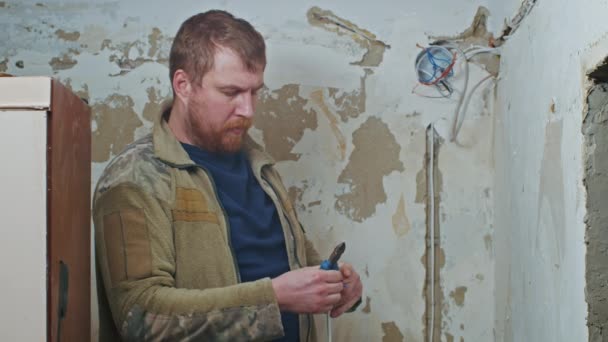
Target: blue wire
column 432, row 59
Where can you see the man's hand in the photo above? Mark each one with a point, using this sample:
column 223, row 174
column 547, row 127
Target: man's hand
column 353, row 288
column 308, row 290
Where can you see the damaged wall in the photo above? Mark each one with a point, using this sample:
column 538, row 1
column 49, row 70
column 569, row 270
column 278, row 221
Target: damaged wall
column 595, row 130
column 339, row 114
column 540, row 201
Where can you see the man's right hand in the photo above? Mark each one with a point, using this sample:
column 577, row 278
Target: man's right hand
column 308, row 290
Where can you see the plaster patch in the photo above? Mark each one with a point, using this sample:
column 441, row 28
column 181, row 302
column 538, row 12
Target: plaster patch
column 295, row 195
column 352, row 104
column 551, row 236
column 476, row 34
column 375, row 155
column 487, row 240
column 154, row 41
column 459, row 295
column 314, row 204
column 282, row 118
column 391, row 332
column 116, row 123
column 68, row 36
column 367, row 309
column 131, row 55
column 317, row 98
column 82, row 93
column 421, row 185
column 63, row 63
column 155, row 105
column 421, row 195
column 329, row 21
column 401, row 224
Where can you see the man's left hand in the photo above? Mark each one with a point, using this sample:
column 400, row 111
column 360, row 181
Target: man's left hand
column 353, row 288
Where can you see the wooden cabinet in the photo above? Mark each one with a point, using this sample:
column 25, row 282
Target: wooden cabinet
column 45, row 217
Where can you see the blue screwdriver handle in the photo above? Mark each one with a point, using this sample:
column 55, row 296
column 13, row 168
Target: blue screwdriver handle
column 332, row 262
column 327, row 265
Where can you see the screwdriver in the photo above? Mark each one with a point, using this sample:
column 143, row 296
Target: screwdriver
column 332, row 264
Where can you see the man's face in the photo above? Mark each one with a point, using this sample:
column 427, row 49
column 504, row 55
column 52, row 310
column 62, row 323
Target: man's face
column 221, row 108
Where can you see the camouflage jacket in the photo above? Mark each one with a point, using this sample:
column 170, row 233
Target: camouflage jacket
column 164, row 254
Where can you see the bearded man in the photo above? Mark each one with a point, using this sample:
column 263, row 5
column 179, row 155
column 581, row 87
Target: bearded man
column 196, row 238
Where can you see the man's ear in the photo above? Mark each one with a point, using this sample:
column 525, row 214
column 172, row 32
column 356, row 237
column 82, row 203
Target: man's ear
column 182, row 85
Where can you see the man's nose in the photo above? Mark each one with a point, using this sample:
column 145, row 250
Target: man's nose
column 246, row 105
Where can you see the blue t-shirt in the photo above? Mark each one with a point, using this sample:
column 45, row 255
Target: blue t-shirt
column 255, row 230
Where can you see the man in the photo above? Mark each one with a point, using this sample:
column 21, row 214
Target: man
column 196, row 237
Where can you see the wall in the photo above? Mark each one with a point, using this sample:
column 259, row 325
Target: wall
column 338, row 113
column 540, row 201
column 595, row 129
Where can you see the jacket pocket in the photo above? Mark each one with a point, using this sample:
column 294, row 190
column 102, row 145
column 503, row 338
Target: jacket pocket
column 203, row 258
column 127, row 245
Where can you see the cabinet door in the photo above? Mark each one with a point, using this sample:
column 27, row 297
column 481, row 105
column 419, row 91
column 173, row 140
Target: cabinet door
column 23, row 244
column 69, row 216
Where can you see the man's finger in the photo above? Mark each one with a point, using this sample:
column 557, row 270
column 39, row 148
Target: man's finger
column 346, row 269
column 335, row 288
column 339, row 310
column 333, row 299
column 331, row 276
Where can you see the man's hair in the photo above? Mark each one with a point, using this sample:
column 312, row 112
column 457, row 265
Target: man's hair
column 200, row 36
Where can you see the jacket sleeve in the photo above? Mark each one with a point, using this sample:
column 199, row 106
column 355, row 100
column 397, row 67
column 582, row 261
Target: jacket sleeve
column 136, row 255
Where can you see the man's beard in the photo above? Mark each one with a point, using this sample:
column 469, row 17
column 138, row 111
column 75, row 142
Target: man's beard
column 220, row 140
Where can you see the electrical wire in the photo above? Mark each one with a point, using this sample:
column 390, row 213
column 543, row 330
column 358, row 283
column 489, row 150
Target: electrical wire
column 446, row 70
column 464, row 91
column 431, row 196
column 328, row 326
column 448, row 89
column 458, row 124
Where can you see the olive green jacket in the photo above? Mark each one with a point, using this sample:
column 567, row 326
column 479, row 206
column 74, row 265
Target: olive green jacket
column 164, row 253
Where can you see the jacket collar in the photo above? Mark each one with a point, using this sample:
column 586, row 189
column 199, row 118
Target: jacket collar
column 166, row 147
column 169, row 150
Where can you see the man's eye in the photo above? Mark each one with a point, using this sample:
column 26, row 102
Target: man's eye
column 231, row 93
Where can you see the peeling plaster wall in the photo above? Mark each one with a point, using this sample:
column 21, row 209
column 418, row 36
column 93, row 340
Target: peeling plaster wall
column 337, row 112
column 595, row 129
column 540, row 199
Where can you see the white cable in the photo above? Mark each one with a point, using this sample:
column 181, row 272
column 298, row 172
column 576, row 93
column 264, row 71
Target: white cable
column 466, row 104
column 464, row 91
column 457, row 119
column 328, row 328
column 431, row 194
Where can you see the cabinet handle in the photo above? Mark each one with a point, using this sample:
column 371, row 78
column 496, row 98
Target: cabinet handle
column 62, row 306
